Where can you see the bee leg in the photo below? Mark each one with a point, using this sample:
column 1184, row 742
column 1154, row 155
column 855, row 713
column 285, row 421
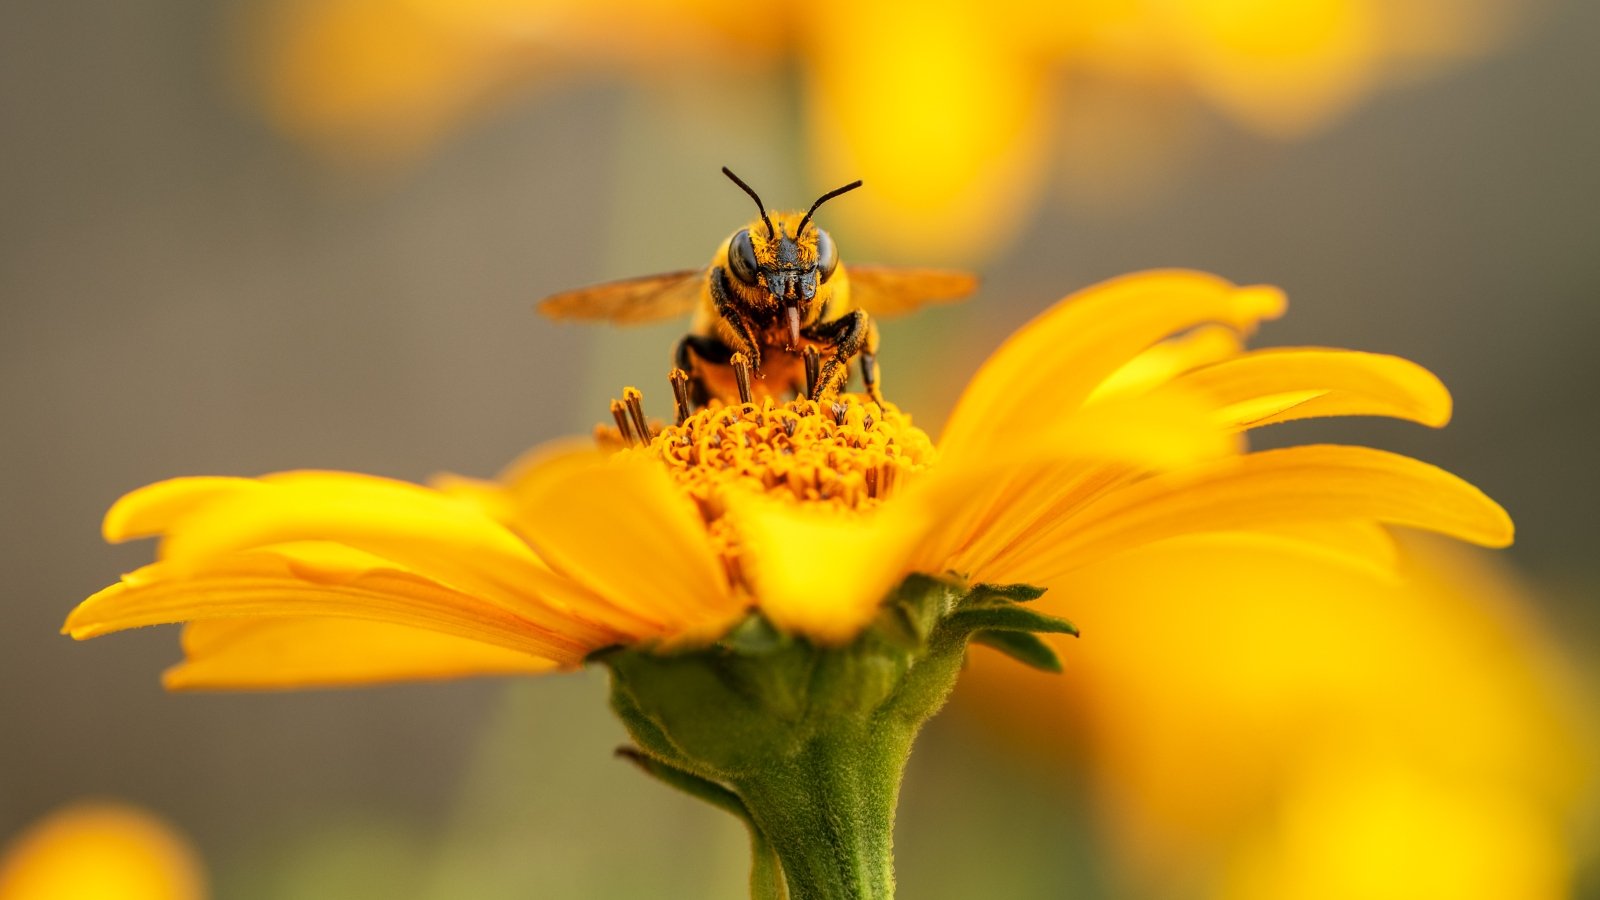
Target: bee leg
column 700, row 348
column 722, row 300
column 869, row 364
column 869, row 376
column 846, row 334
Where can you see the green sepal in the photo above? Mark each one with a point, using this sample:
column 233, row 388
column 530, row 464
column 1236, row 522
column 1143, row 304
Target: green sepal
column 1016, row 593
column 1028, row 649
column 687, row 782
column 913, row 612
column 1008, row 617
column 755, row 636
column 766, row 871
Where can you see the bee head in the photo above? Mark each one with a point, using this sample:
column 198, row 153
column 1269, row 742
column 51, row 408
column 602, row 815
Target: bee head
column 789, row 258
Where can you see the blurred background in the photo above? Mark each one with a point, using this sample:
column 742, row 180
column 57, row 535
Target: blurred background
column 249, row 236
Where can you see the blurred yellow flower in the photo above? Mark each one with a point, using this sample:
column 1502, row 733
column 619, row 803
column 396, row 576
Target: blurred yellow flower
column 953, row 110
column 100, row 851
column 1259, row 722
column 1076, row 441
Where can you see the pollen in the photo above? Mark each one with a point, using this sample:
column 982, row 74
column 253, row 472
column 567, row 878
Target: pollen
column 845, row 451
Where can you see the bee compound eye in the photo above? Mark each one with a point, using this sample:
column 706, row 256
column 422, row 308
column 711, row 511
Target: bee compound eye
column 742, row 258
column 827, row 255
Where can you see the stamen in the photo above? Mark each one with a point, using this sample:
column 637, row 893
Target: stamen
column 741, row 375
column 802, row 452
column 620, row 413
column 680, row 394
column 813, row 361
column 635, row 401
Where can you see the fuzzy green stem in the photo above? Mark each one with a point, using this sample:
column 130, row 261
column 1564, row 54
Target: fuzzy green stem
column 829, row 815
column 807, row 744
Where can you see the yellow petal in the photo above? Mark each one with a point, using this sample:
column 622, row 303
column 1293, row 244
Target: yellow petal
column 540, row 464
column 279, row 653
column 624, row 530
column 987, row 505
column 101, row 851
column 1167, row 360
column 1053, row 363
column 501, row 498
column 151, row 509
column 1294, row 484
column 822, row 571
column 1165, row 431
column 1282, row 384
column 1357, row 542
column 445, row 539
column 314, row 579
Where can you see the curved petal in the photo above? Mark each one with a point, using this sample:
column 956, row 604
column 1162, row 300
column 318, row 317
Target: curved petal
column 1167, row 360
column 821, row 571
column 1357, row 542
column 1283, row 384
column 290, row 652
column 1362, row 548
column 1296, row 484
column 314, row 579
column 1055, row 361
column 624, row 530
column 501, row 498
column 984, row 507
column 446, row 539
column 152, row 509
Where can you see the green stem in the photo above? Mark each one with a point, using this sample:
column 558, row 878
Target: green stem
column 806, row 743
column 766, row 872
column 829, row 815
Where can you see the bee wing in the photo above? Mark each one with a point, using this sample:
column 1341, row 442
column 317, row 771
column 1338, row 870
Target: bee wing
column 890, row 291
column 630, row 301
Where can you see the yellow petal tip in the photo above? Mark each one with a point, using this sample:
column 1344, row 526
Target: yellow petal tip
column 150, row 510
column 1503, row 532
column 116, row 527
column 1261, row 302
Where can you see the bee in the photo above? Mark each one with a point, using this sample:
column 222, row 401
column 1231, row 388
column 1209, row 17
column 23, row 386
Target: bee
column 775, row 303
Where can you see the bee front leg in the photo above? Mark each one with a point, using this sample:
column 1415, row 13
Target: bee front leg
column 869, row 376
column 869, row 364
column 845, row 334
column 702, row 348
column 722, row 300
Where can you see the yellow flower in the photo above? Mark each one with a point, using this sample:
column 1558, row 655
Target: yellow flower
column 952, row 110
column 1258, row 722
column 100, row 851
column 1084, row 436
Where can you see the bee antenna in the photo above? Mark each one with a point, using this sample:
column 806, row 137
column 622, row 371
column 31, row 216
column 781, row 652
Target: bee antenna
column 824, row 199
column 771, row 232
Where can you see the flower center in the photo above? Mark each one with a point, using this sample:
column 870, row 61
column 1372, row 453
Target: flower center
column 847, row 451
